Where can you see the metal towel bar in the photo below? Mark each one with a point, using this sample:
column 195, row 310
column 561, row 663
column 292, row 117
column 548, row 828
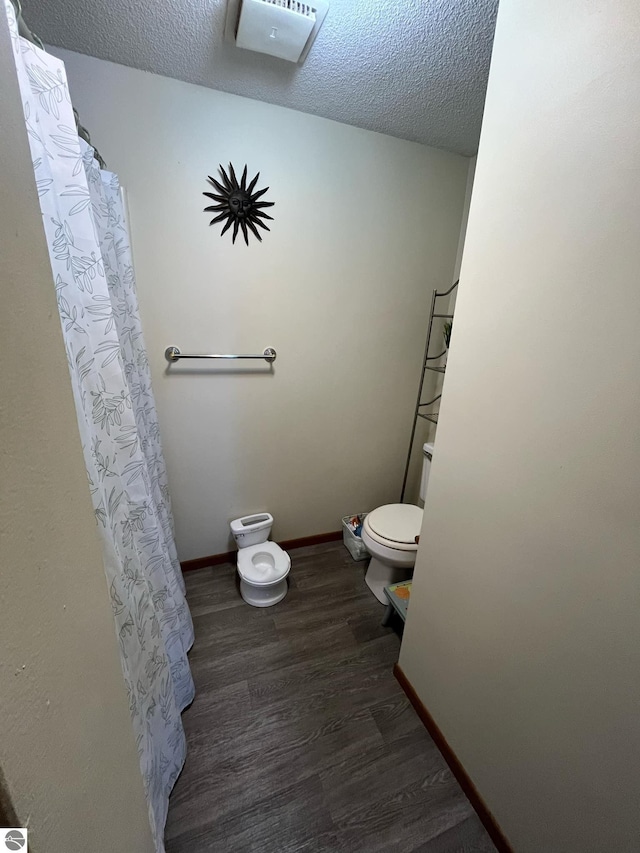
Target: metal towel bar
column 174, row 354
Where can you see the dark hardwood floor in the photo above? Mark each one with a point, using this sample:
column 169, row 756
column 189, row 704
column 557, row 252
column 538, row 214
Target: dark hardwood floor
column 300, row 738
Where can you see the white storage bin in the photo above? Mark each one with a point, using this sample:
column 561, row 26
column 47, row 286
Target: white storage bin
column 354, row 544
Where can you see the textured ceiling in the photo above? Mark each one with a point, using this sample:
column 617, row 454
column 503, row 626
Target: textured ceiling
column 415, row 69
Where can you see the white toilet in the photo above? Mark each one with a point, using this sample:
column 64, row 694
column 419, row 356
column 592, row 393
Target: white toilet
column 262, row 565
column 389, row 534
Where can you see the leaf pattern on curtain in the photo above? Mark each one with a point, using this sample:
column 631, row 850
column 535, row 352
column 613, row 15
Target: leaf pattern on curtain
column 87, row 234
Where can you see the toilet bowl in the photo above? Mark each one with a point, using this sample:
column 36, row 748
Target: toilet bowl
column 263, row 570
column 389, row 534
column 262, row 565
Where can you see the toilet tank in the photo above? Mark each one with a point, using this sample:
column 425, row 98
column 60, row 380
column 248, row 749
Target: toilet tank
column 427, row 451
column 251, row 529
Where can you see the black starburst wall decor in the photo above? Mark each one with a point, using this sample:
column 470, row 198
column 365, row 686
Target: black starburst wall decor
column 238, row 204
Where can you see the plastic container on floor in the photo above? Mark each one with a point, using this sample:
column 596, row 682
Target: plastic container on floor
column 354, row 544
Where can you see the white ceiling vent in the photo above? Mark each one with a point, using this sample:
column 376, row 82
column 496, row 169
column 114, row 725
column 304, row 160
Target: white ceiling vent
column 282, row 28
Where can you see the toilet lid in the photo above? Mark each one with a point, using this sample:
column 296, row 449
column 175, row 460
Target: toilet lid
column 263, row 564
column 396, row 522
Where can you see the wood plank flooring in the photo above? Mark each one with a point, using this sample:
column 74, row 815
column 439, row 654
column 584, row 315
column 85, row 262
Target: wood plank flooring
column 300, row 738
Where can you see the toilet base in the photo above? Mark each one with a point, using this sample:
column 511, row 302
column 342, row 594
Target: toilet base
column 264, row 596
column 381, row 574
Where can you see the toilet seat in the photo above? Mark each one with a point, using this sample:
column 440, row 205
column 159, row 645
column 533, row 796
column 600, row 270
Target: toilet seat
column 395, row 526
column 263, row 564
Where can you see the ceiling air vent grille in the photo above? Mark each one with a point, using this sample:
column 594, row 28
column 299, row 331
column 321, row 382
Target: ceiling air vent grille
column 282, row 28
column 293, row 6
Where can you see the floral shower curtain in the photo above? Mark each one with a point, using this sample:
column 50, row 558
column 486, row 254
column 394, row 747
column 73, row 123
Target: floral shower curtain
column 87, row 234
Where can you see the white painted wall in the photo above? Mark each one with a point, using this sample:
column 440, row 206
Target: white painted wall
column 67, row 749
column 433, row 381
column 365, row 227
column 471, row 172
column 523, row 636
